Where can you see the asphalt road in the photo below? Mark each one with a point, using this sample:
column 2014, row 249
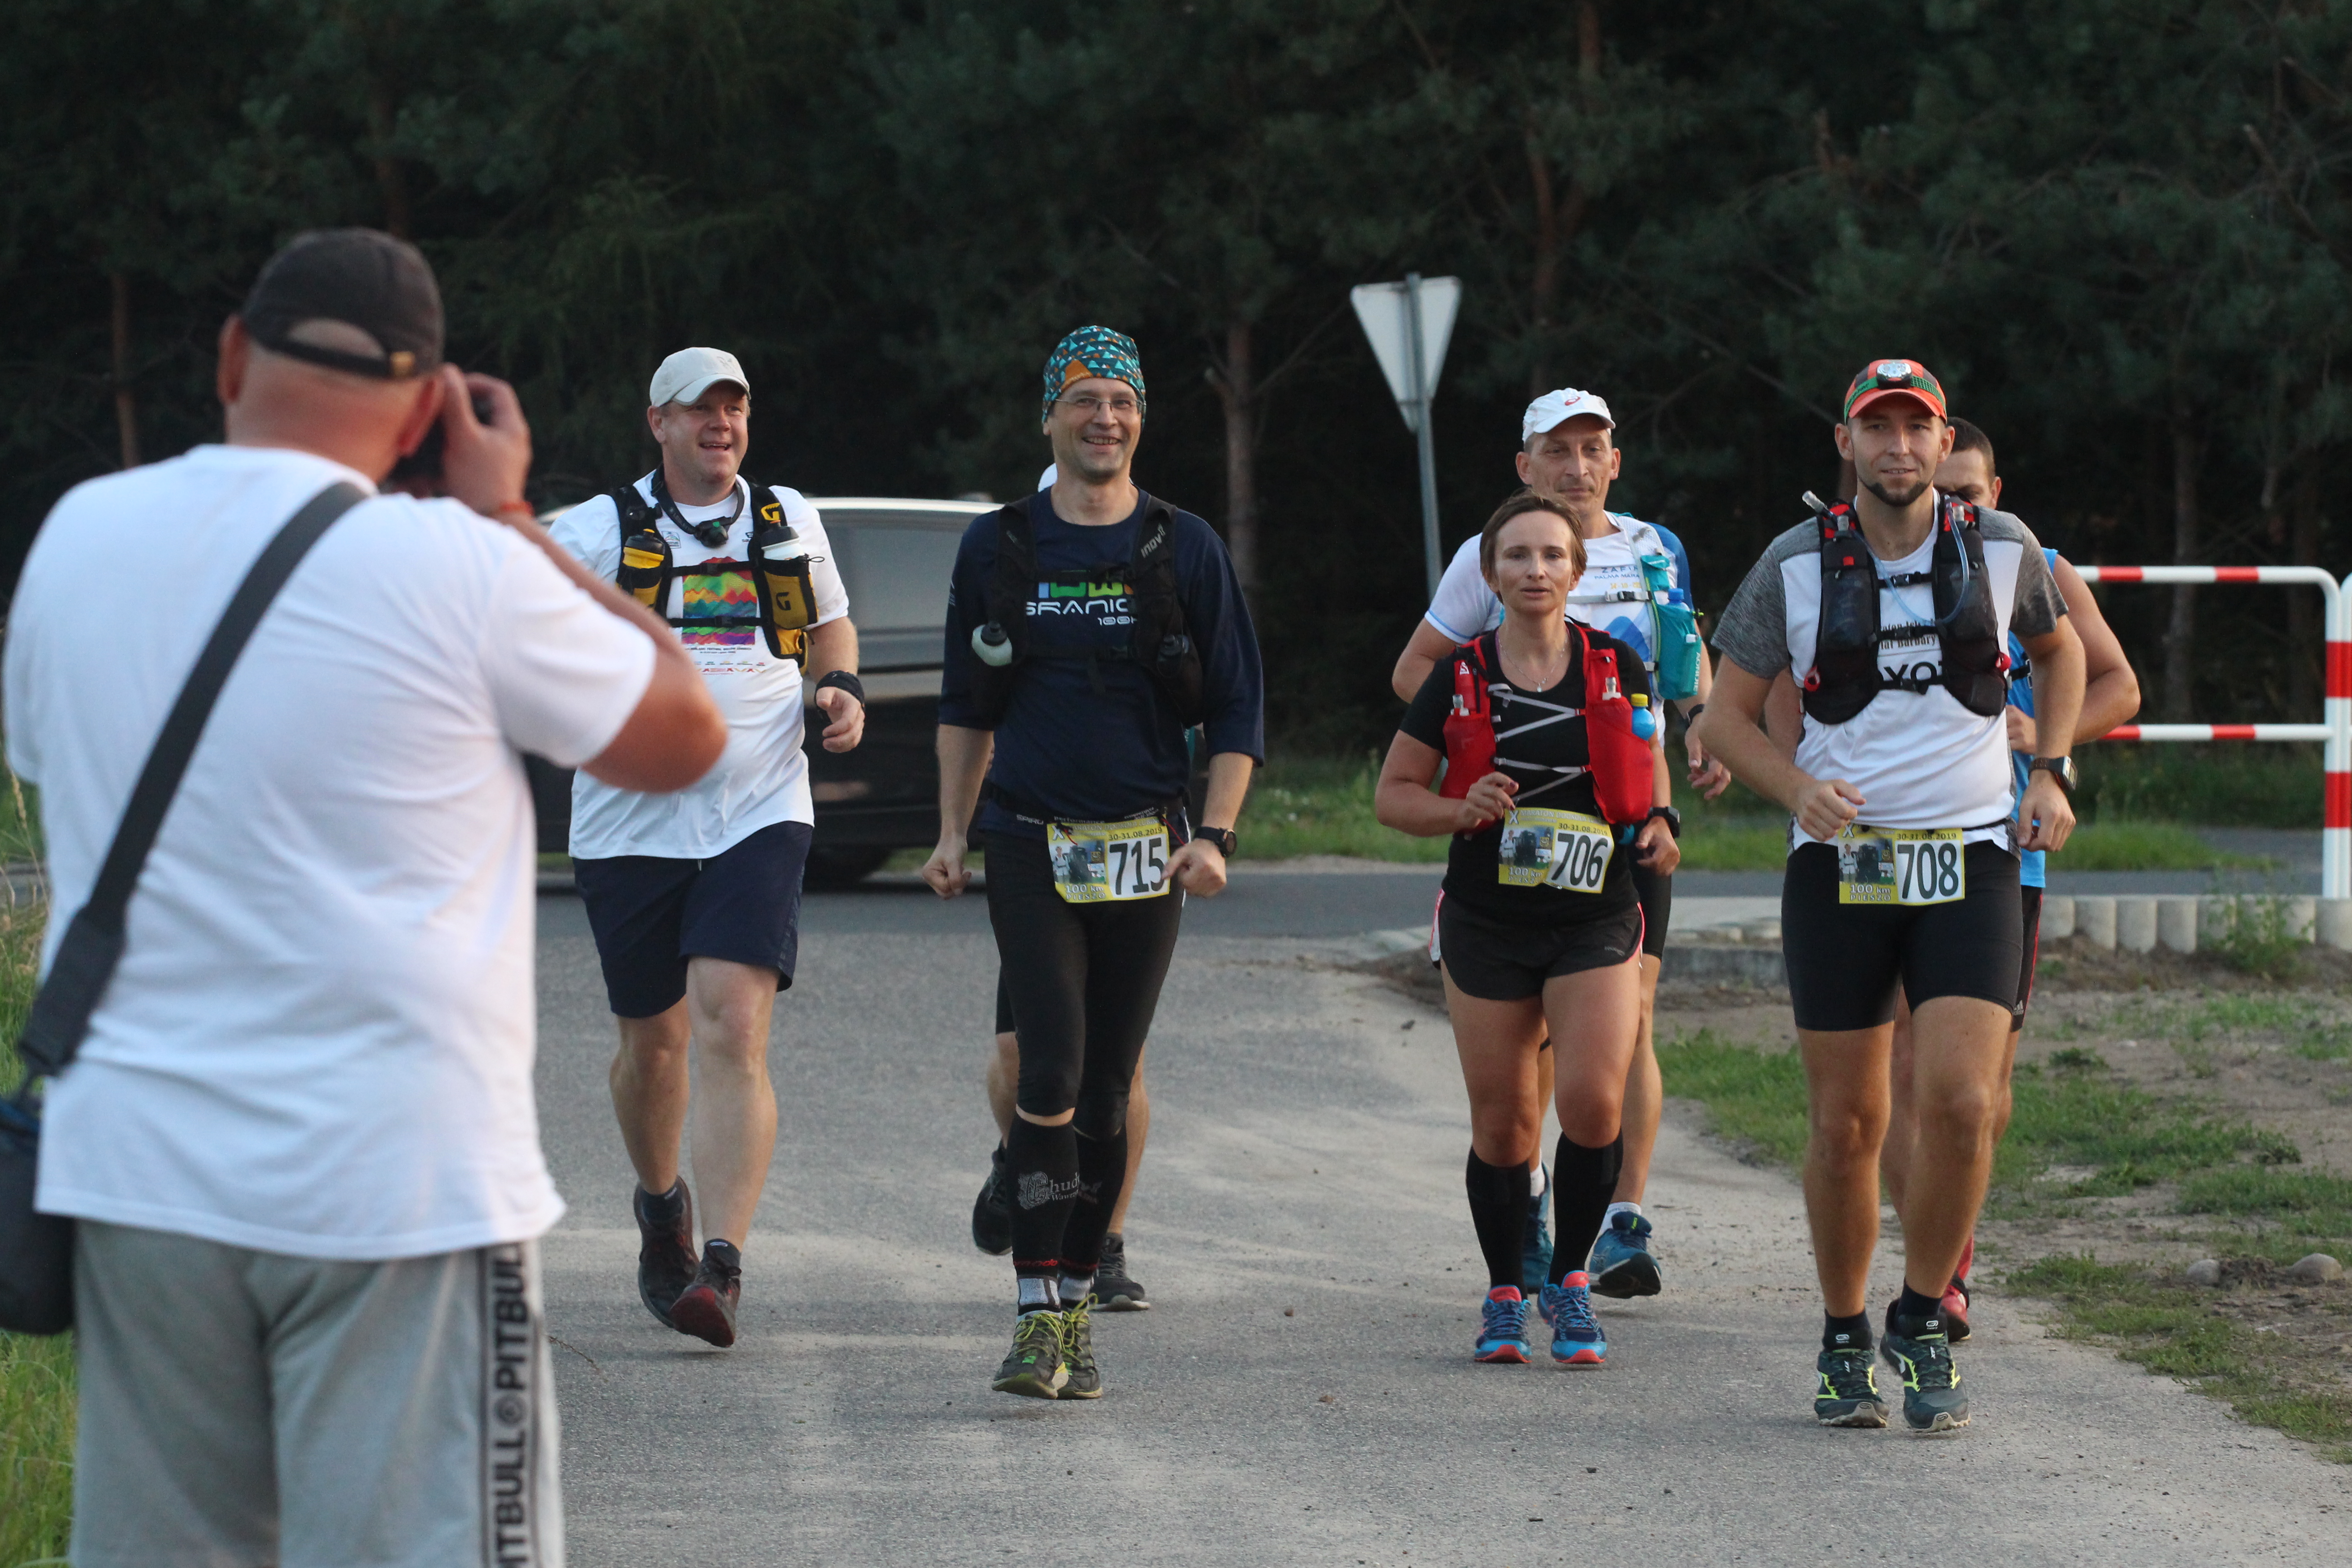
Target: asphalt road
column 1302, row 1392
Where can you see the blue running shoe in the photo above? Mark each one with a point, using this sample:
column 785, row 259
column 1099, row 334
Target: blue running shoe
column 1576, row 1336
column 1620, row 1264
column 1535, row 1253
column 1503, row 1336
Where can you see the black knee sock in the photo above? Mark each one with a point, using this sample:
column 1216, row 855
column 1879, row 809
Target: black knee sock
column 1044, row 1161
column 1102, row 1172
column 1584, row 1182
column 1498, row 1208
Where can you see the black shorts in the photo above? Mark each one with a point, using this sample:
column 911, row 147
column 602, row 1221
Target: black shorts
column 652, row 913
column 1657, row 895
column 1004, row 1003
column 2031, row 898
column 1844, row 959
column 1498, row 960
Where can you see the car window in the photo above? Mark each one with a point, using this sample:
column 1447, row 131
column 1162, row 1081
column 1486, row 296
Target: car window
column 896, row 570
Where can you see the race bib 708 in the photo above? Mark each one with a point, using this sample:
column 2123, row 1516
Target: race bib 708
column 1909, row 865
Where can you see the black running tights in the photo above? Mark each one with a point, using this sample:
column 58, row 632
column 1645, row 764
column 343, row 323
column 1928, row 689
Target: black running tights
column 1084, row 981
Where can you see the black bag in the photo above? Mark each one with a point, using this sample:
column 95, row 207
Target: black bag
column 36, row 1249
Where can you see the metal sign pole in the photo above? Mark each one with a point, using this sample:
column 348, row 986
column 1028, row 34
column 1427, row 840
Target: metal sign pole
column 1420, row 429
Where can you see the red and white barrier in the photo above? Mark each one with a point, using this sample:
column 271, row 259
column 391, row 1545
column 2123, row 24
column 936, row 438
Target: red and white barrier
column 2335, row 728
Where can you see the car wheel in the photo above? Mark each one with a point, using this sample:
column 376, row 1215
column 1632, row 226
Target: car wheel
column 830, row 871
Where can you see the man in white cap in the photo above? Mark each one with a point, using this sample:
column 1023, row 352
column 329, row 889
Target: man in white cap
column 1568, row 452
column 695, row 897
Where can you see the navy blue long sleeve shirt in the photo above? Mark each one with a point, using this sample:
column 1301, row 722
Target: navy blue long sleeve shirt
column 1079, row 754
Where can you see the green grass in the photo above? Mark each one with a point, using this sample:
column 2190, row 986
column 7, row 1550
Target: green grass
column 2243, row 785
column 1323, row 805
column 1753, row 1098
column 2172, row 1329
column 37, row 1376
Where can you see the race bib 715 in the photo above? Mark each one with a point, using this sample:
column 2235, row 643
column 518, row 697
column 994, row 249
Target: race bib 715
column 1108, row 862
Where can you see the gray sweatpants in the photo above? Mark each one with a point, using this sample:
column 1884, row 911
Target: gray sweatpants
column 246, row 1409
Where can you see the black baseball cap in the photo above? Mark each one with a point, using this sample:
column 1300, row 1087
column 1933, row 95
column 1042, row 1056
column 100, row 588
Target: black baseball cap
column 361, row 278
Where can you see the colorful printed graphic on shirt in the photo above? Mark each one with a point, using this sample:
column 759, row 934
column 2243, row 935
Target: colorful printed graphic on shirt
column 1106, row 603
column 727, row 596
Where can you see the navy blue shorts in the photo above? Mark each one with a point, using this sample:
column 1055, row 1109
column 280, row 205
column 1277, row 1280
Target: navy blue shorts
column 652, row 913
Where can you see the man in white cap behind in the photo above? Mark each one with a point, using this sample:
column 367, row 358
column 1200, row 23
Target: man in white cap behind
column 1568, row 452
column 695, row 897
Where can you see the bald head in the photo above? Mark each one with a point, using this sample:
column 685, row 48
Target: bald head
column 272, row 399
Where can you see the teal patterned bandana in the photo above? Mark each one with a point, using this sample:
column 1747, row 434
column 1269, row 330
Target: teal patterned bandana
column 1092, row 351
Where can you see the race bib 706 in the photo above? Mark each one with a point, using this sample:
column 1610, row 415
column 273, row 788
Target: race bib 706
column 1547, row 849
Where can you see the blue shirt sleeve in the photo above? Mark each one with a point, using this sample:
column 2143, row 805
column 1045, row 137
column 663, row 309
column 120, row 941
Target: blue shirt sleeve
column 967, row 608
column 1232, row 682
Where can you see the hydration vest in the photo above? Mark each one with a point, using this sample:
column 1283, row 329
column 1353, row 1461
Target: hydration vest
column 1847, row 673
column 1620, row 762
column 785, row 589
column 1674, row 623
column 1157, row 640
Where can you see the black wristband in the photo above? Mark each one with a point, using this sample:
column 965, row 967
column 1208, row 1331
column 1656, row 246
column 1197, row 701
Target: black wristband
column 1670, row 818
column 1690, row 715
column 848, row 681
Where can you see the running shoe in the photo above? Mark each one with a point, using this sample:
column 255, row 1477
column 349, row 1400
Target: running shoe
column 706, row 1308
column 1956, row 1311
column 1932, row 1400
column 1115, row 1291
column 1849, row 1391
column 1034, row 1366
column 1620, row 1264
column 665, row 1249
column 1079, row 1353
column 1535, row 1255
column 1503, row 1328
column 992, row 1212
column 1576, row 1336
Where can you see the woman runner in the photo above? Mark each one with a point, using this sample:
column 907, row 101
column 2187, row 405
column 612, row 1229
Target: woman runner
column 1539, row 925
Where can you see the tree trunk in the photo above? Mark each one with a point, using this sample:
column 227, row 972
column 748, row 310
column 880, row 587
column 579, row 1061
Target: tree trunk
column 1557, row 222
column 391, row 179
column 2306, row 650
column 126, row 398
column 1237, row 389
column 2180, row 630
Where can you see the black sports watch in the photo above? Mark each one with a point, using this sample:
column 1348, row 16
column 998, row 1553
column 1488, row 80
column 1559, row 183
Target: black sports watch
column 1223, row 837
column 2059, row 768
column 1670, row 817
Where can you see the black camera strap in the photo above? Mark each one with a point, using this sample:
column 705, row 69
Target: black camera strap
column 92, row 947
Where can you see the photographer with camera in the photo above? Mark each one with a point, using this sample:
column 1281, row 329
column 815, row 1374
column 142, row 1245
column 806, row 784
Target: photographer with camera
column 299, row 1140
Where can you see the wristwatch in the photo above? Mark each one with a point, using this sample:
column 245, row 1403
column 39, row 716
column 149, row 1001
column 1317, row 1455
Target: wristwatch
column 1223, row 837
column 1673, row 819
column 2059, row 768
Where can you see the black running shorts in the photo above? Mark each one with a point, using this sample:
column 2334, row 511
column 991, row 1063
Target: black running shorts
column 651, row 914
column 1498, row 961
column 1657, row 895
column 1844, row 959
column 2031, row 898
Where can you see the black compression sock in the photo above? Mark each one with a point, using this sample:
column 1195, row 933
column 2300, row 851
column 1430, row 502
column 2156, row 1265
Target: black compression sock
column 1044, row 1161
column 1845, row 1333
column 1498, row 1208
column 1583, row 1182
column 1912, row 1314
column 1102, row 1171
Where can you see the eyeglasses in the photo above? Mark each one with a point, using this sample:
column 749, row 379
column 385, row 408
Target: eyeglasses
column 1090, row 406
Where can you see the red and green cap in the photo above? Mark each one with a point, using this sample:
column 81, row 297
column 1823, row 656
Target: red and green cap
column 1884, row 378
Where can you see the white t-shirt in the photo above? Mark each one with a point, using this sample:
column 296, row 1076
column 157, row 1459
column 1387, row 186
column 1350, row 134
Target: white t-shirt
column 1920, row 759
column 319, row 1041
column 762, row 777
column 1465, row 607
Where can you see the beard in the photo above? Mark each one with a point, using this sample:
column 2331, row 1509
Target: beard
column 1897, row 498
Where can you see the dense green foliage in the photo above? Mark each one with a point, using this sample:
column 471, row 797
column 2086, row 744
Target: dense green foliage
column 2115, row 227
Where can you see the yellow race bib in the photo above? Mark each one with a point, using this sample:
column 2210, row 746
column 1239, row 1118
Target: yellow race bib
column 1909, row 865
column 1108, row 862
column 1547, row 849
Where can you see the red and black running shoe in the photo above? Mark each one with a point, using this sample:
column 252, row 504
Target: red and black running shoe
column 707, row 1307
column 665, row 1249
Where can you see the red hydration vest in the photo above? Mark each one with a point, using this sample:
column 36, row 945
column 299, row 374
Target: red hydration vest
column 1623, row 777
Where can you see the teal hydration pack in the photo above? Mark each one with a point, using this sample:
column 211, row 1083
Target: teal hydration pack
column 1674, row 623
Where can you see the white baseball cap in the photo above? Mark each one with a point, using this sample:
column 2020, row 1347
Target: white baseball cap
column 1554, row 409
column 1053, row 472
column 684, row 376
